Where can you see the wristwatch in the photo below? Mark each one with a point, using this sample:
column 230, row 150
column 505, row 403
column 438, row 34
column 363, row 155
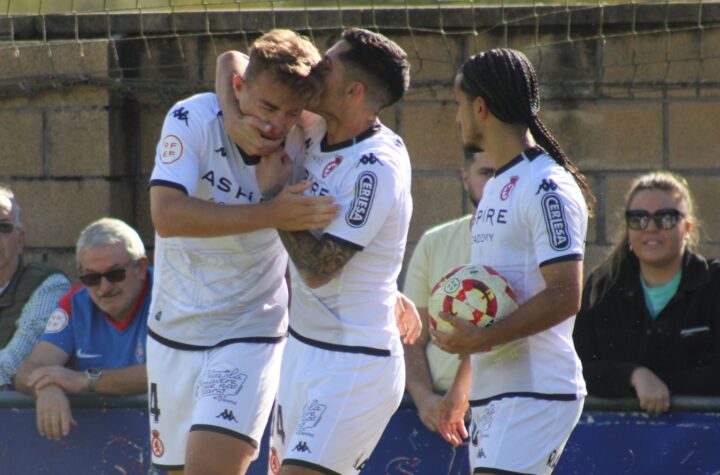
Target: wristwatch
column 94, row 375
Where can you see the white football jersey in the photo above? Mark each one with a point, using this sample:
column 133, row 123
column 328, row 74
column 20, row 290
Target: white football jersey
column 532, row 213
column 210, row 291
column 369, row 177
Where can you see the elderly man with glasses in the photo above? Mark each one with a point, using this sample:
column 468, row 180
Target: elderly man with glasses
column 28, row 292
column 99, row 328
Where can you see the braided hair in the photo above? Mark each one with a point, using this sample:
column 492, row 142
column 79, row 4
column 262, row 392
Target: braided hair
column 506, row 81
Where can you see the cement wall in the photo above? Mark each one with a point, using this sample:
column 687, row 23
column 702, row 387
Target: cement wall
column 79, row 134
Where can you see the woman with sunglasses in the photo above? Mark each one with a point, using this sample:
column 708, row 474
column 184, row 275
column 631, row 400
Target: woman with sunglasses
column 650, row 319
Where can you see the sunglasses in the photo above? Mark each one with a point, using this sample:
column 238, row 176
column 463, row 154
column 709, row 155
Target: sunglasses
column 6, row 227
column 639, row 219
column 92, row 279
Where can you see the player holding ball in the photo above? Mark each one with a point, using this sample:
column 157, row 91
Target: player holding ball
column 530, row 227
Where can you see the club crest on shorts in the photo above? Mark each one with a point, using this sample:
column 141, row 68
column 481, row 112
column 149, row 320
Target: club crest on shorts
column 365, row 185
column 555, row 222
column 156, row 444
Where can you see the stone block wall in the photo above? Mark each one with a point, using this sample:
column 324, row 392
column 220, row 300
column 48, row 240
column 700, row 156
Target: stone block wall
column 74, row 153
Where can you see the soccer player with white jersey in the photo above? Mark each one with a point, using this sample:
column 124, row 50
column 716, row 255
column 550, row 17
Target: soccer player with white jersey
column 523, row 379
column 218, row 318
column 343, row 374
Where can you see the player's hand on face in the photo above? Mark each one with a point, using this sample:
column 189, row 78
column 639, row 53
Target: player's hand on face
column 451, row 417
column 67, row 379
column 272, row 172
column 247, row 131
column 408, row 319
column 53, row 415
column 464, row 339
column 653, row 394
column 297, row 212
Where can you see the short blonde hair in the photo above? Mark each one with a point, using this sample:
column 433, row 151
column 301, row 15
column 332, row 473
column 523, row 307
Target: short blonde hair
column 289, row 56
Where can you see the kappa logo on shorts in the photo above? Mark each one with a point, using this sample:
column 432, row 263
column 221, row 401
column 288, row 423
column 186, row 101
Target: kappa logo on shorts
column 557, row 227
column 357, row 215
column 302, row 447
column 312, row 415
column 221, row 385
column 227, row 415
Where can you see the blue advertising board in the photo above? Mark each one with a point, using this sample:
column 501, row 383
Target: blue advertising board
column 111, row 438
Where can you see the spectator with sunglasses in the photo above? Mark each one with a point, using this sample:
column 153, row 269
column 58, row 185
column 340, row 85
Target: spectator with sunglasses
column 28, row 292
column 650, row 320
column 95, row 339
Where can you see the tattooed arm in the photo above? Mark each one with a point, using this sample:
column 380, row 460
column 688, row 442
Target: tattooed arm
column 317, row 260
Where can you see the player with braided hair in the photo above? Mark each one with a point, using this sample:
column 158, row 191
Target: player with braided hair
column 521, row 376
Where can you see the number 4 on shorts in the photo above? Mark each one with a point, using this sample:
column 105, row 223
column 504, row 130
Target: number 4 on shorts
column 154, row 408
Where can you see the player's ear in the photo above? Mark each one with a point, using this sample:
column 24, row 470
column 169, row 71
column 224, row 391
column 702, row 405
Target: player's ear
column 480, row 108
column 465, row 178
column 356, row 90
column 238, row 83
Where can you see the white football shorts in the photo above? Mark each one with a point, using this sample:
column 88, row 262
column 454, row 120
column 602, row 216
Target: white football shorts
column 229, row 389
column 332, row 407
column 521, row 435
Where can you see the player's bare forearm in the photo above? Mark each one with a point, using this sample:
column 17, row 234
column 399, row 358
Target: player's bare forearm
column 317, row 260
column 418, row 380
column 123, row 381
column 559, row 300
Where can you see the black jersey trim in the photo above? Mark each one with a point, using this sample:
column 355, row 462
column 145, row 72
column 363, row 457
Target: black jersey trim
column 310, row 465
column 187, row 347
column 248, row 159
column 224, row 431
column 528, row 154
column 528, row 394
column 497, row 471
column 372, row 130
column 533, row 152
column 170, row 468
column 168, row 184
column 366, row 350
column 344, row 242
column 567, row 257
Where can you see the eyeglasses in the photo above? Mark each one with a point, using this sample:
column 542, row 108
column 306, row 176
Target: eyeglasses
column 6, row 227
column 639, row 219
column 92, row 279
